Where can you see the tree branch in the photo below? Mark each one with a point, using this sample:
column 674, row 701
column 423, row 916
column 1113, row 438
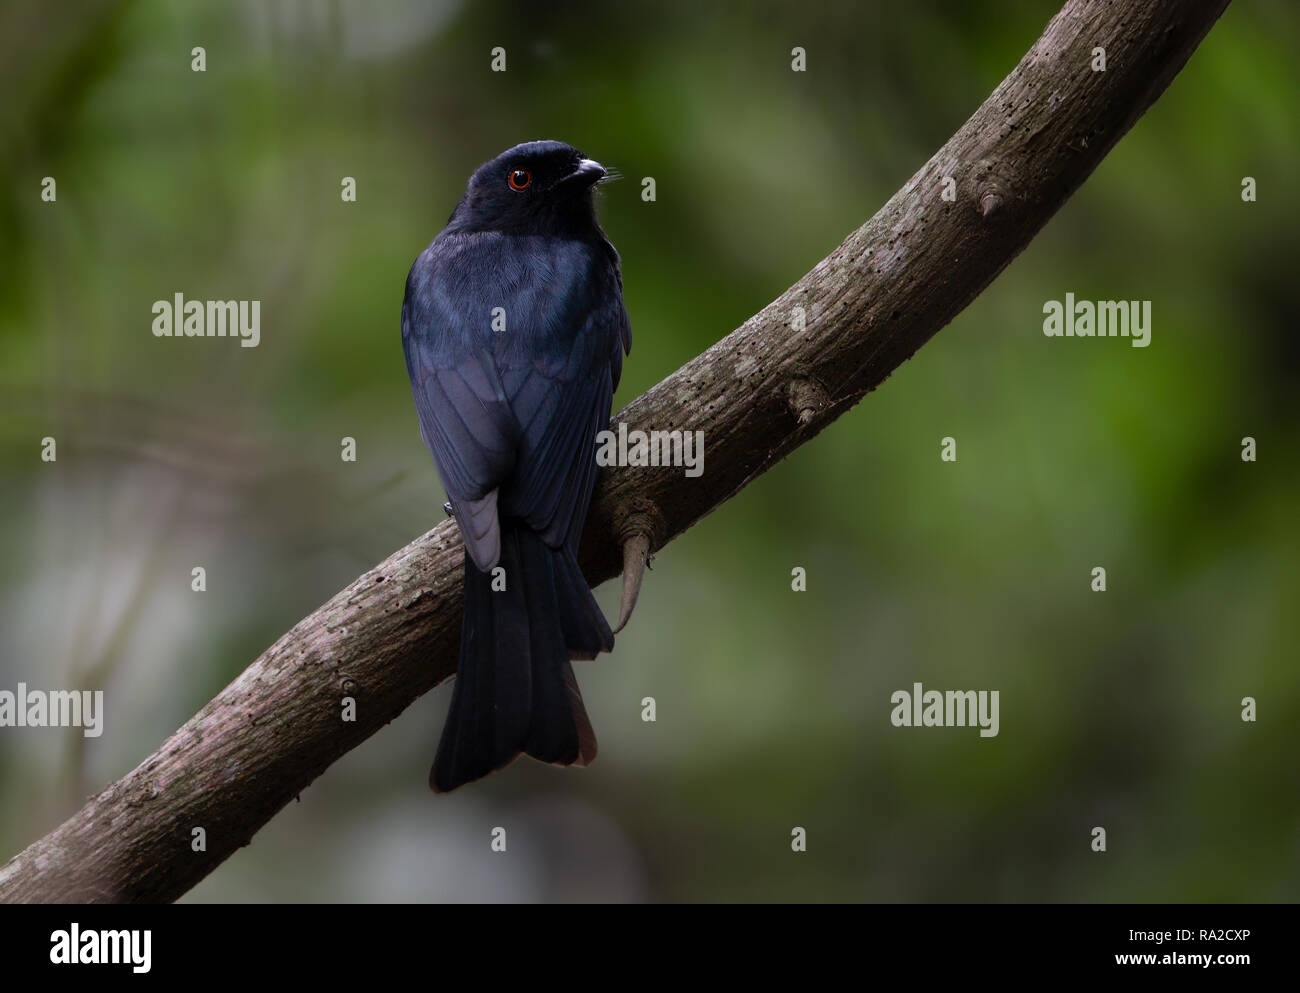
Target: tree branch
column 757, row 394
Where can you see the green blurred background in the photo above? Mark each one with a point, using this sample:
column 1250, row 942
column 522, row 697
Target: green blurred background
column 1120, row 709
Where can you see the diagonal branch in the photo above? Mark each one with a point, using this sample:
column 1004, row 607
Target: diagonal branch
column 757, row 394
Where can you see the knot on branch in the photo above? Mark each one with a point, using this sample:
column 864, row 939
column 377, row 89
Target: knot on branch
column 806, row 397
column 640, row 531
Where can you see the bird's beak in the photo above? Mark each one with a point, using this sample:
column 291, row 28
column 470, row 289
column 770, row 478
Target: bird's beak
column 588, row 173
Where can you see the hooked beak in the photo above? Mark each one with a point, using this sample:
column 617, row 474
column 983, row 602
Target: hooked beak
column 588, row 173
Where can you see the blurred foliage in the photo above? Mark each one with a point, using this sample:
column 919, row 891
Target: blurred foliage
column 1119, row 709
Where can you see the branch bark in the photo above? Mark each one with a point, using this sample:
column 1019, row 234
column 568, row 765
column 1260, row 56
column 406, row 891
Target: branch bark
column 757, row 394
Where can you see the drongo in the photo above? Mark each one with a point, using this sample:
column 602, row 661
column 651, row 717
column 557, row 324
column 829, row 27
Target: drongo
column 514, row 331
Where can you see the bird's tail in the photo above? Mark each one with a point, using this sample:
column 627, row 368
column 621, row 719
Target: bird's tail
column 515, row 690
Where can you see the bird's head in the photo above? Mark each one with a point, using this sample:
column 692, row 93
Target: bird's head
column 541, row 186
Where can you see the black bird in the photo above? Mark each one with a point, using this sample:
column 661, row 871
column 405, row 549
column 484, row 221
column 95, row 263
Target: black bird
column 514, row 331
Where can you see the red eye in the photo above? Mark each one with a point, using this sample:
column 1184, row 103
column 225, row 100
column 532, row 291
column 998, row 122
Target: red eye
column 519, row 179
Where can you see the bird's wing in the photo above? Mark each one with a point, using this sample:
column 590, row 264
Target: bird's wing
column 511, row 416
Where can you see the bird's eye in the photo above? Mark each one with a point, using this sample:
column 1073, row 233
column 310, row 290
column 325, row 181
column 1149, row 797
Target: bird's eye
column 519, row 179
